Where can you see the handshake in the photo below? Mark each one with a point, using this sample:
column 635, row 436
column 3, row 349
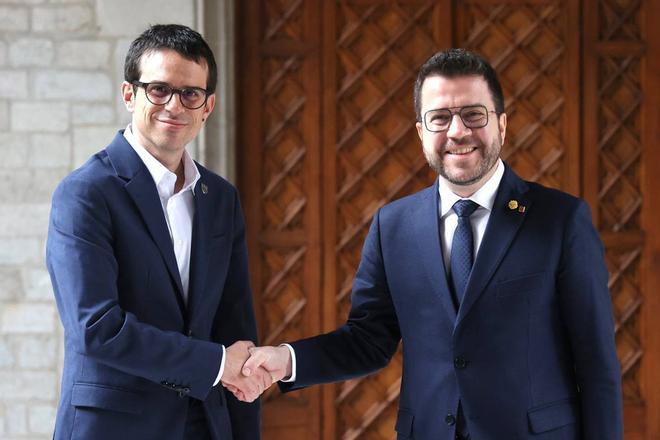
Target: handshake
column 250, row 370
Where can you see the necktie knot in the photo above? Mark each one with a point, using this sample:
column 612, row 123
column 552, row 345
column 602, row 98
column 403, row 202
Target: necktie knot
column 464, row 208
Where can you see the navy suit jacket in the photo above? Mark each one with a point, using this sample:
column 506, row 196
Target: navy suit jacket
column 530, row 352
column 134, row 352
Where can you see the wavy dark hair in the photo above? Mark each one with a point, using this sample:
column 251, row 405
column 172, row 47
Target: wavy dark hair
column 458, row 62
column 181, row 39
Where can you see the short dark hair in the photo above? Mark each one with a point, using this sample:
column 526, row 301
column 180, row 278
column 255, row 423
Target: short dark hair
column 181, row 39
column 458, row 62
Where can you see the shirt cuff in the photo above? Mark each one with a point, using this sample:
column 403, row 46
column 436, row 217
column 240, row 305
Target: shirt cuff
column 222, row 366
column 292, row 378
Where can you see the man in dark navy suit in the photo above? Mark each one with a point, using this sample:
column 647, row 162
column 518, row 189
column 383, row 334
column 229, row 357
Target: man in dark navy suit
column 496, row 286
column 146, row 252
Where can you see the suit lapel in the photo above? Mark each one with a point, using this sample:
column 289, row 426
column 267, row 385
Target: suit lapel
column 427, row 234
column 201, row 232
column 502, row 227
column 140, row 186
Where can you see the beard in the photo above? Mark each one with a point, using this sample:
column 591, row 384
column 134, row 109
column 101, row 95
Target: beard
column 490, row 154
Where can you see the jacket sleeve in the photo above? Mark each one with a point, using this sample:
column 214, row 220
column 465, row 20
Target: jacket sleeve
column 235, row 321
column 84, row 273
column 587, row 313
column 370, row 336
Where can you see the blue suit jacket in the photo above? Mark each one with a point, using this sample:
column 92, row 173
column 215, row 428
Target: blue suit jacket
column 530, row 352
column 134, row 353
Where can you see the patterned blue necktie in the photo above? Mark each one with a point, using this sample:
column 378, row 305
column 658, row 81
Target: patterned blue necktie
column 462, row 248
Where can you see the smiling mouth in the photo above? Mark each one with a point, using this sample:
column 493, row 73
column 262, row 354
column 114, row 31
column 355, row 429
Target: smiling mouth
column 461, row 151
column 171, row 123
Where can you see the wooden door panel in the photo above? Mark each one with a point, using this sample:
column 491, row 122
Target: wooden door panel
column 373, row 156
column 278, row 179
column 327, row 136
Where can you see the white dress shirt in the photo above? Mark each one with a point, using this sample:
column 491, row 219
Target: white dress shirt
column 484, row 197
column 178, row 209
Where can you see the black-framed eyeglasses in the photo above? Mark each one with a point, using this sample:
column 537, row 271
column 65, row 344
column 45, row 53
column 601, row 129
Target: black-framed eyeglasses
column 473, row 116
column 160, row 94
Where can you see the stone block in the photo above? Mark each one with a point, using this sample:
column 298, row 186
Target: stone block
column 113, row 21
column 42, row 419
column 23, row 2
column 14, row 19
column 11, row 286
column 85, row 114
column 39, row 116
column 50, row 150
column 84, row 54
column 14, row 150
column 37, row 286
column 6, row 356
column 90, row 140
column 36, row 352
column 27, row 385
column 4, row 115
column 62, row 18
column 31, row 52
column 72, row 85
column 3, row 53
column 14, row 84
column 26, row 318
column 16, row 414
column 24, row 220
column 19, row 250
column 29, row 185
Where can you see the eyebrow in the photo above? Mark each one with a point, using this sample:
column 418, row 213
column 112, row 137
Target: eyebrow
column 460, row 106
column 165, row 83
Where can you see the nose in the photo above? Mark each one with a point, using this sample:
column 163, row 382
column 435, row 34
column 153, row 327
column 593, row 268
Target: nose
column 457, row 128
column 174, row 106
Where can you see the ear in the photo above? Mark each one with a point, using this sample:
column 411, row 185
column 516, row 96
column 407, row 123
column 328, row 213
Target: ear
column 128, row 95
column 502, row 126
column 420, row 130
column 210, row 105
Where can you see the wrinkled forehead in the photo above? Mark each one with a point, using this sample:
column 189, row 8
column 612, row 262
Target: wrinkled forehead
column 454, row 91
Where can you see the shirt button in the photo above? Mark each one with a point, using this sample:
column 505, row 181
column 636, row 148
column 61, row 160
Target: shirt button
column 189, row 333
column 460, row 362
column 450, row 419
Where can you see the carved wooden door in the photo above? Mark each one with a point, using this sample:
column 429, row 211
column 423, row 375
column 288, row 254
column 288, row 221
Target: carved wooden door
column 326, row 136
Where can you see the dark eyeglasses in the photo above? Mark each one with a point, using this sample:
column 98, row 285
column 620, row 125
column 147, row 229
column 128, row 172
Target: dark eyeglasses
column 473, row 116
column 160, row 94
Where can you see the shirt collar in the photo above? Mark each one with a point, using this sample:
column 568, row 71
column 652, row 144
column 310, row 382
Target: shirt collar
column 484, row 196
column 164, row 178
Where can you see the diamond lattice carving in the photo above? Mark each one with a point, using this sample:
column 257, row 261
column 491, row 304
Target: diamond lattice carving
column 284, row 19
column 620, row 147
column 283, row 145
column 379, row 48
column 620, row 19
column 282, row 300
column 524, row 42
column 624, row 283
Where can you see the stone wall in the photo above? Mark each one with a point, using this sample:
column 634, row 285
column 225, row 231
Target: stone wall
column 61, row 66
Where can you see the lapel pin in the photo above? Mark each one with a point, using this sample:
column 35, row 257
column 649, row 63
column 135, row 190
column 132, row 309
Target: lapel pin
column 513, row 204
column 205, row 189
column 521, row 209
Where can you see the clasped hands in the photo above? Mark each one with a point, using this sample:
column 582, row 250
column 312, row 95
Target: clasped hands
column 250, row 370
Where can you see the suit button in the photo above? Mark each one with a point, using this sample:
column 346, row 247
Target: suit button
column 450, row 419
column 460, row 362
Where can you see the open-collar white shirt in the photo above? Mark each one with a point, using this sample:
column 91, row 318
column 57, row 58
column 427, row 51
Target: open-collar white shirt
column 178, row 208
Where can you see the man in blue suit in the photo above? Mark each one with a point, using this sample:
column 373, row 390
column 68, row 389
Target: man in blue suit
column 496, row 286
column 146, row 252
